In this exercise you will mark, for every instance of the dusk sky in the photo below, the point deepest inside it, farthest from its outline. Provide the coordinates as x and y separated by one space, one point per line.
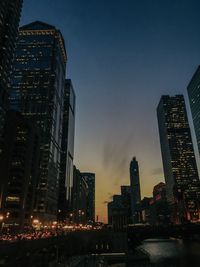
122 56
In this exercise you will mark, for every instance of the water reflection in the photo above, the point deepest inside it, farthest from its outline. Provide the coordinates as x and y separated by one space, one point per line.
172 253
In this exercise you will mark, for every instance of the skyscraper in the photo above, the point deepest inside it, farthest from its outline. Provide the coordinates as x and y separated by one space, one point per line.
9 20
180 169
194 98
135 190
90 180
37 90
19 166
79 197
67 152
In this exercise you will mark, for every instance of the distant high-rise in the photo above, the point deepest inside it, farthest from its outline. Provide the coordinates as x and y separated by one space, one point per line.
90 180
37 91
67 152
19 166
180 169
194 98
135 191
9 20
79 198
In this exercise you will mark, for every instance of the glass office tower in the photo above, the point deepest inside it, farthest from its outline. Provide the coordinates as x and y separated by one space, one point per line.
194 98
180 169
9 20
37 90
19 166
90 180
67 152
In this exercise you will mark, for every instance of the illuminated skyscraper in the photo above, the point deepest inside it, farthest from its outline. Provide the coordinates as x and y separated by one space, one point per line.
194 98
37 90
67 152
135 191
180 169
9 20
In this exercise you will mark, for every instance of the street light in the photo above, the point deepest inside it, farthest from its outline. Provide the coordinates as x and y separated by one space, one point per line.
35 221
1 220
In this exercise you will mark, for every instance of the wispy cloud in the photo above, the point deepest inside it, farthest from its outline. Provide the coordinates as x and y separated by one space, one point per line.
157 171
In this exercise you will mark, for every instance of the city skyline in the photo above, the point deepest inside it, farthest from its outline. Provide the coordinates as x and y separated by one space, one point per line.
100 132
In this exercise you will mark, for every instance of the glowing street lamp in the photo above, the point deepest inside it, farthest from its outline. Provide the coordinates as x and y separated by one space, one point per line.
1 221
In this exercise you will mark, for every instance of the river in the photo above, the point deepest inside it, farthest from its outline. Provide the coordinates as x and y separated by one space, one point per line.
167 253
172 253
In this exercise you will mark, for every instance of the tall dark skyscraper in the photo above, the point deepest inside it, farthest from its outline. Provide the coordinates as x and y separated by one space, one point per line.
9 20
194 98
180 169
19 166
79 198
37 90
90 180
135 191
67 152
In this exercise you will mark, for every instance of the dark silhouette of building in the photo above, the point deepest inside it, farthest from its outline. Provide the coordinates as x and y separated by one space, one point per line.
117 213
145 210
67 152
90 180
126 200
80 193
135 191
194 99
19 170
180 169
37 91
9 20
119 209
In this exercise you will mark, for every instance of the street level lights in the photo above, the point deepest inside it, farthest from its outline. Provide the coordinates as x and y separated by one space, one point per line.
1 221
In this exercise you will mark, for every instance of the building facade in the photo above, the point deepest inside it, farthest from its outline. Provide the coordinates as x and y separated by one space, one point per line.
193 90
117 213
67 152
80 191
135 191
90 180
180 169
126 200
19 170
9 20
37 91
145 210
160 214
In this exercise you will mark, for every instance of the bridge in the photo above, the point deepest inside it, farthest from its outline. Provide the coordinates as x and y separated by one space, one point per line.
55 251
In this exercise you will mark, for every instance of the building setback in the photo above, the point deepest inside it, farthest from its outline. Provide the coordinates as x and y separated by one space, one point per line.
9 20
67 152
135 191
180 169
193 90
19 170
37 91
